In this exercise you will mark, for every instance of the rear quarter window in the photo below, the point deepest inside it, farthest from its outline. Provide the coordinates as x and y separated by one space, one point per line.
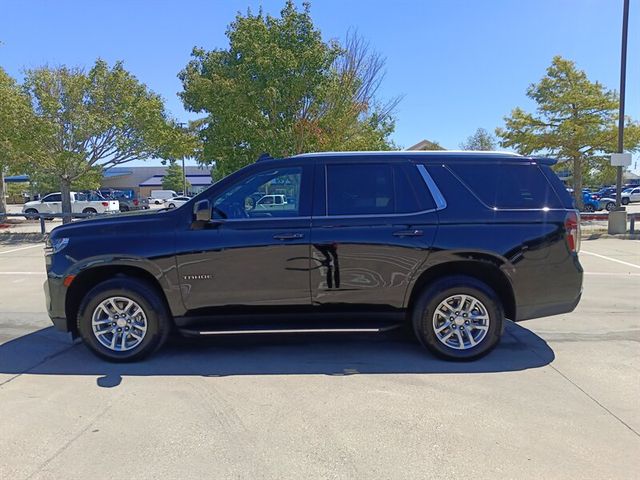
514 186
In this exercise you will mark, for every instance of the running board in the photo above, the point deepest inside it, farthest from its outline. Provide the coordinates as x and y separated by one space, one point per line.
198 333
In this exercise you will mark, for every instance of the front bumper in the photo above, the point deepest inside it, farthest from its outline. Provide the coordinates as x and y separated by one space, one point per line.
54 293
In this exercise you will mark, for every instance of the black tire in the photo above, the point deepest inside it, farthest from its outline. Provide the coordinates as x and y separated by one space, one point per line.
158 318
625 201
427 302
589 208
90 211
171 205
30 213
124 208
610 206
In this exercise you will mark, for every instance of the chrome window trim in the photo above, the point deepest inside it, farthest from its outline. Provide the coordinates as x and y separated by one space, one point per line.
438 198
227 220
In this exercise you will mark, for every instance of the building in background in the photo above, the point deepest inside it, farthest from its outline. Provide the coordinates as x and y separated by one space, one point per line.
141 180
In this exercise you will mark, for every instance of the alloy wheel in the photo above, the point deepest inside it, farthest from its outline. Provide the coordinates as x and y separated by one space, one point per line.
461 322
119 324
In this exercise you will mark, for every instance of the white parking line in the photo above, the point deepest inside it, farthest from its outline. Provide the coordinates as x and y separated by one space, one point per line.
612 259
613 274
22 273
22 248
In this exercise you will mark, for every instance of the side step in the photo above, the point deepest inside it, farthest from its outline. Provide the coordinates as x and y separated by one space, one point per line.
247 330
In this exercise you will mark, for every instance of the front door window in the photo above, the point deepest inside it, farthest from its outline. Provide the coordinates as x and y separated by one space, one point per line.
272 193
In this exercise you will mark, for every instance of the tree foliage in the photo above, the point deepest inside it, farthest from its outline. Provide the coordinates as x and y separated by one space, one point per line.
98 119
173 179
480 140
21 133
279 88
575 121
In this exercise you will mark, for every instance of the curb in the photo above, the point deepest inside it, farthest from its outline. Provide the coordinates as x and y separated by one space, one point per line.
621 236
11 237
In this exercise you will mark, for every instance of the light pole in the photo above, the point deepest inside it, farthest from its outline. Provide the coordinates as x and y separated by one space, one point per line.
623 76
617 222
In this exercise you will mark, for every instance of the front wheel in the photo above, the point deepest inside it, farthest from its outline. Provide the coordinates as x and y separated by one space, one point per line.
458 318
123 320
31 214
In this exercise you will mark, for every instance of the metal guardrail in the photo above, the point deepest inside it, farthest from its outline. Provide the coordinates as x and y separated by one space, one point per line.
46 216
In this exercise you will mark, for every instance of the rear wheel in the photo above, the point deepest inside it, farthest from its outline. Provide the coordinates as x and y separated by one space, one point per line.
610 206
458 318
123 320
89 211
589 208
625 201
124 208
172 205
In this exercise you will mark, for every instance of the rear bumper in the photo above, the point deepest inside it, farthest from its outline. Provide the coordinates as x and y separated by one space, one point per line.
546 310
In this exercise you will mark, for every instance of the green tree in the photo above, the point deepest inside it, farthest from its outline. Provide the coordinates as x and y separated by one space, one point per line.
575 121
173 179
98 119
279 88
21 133
480 140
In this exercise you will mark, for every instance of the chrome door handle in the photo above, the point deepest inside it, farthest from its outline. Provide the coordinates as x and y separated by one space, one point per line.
288 236
408 233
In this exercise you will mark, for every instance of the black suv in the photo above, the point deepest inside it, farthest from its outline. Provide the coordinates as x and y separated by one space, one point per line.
449 243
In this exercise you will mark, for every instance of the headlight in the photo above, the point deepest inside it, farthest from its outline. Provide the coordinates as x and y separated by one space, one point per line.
55 245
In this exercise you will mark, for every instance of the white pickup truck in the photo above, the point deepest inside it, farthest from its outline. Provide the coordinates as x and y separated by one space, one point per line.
88 203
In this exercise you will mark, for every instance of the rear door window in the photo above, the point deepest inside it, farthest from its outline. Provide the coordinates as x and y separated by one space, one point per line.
514 186
375 189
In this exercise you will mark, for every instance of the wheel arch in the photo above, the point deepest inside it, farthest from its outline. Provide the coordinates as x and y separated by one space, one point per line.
484 271
87 279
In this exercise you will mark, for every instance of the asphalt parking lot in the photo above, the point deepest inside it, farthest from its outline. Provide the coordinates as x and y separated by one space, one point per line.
559 398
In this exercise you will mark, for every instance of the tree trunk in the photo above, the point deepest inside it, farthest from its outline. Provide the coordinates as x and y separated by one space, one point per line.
577 183
3 203
65 190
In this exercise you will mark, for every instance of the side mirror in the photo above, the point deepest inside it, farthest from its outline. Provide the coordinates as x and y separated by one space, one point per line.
202 211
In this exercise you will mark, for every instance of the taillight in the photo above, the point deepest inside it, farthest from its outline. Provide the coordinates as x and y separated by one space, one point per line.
105 204
135 202
572 229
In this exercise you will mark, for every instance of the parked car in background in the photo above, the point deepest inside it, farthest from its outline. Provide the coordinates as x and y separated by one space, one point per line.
631 195
177 201
127 201
158 197
87 203
448 244
272 202
590 204
609 192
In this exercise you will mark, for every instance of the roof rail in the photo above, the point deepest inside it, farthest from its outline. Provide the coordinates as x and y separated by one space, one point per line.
264 156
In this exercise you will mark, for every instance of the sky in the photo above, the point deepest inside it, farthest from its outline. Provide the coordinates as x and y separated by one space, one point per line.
458 64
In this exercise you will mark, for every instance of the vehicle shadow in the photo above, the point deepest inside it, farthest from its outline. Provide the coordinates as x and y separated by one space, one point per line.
48 352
